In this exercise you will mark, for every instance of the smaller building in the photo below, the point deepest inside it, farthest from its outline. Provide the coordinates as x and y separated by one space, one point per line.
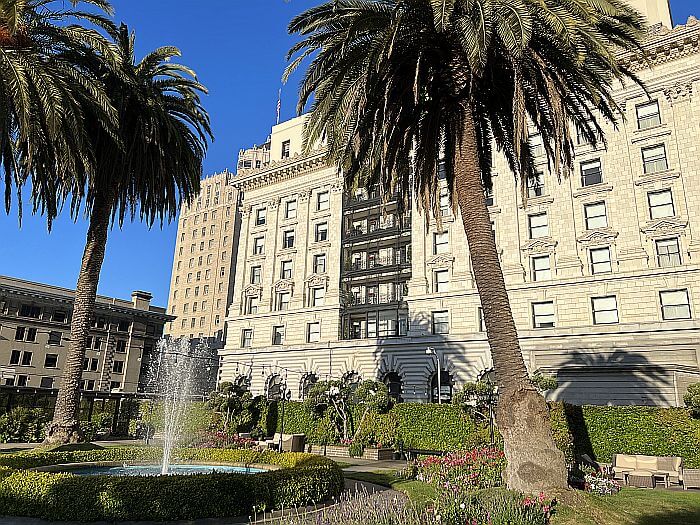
35 333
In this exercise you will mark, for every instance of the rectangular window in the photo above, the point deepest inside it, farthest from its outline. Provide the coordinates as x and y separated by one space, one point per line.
322 232
51 361
541 270
260 216
15 357
59 317
252 305
290 210
255 275
591 173
22 380
675 304
118 367
46 382
654 159
123 325
596 215
115 385
28 310
286 270
668 252
444 201
278 335
19 333
247 338
543 315
648 115
320 263
27 358
258 245
288 239
283 300
286 149
488 196
661 204
318 296
323 201
30 335
441 322
482 324
97 343
600 260
313 332
441 242
536 145
121 346
538 225
55 338
442 282
605 310
535 185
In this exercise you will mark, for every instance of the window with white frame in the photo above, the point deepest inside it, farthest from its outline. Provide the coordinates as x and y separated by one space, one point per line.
648 115
286 270
543 315
283 300
538 225
441 243
258 245
278 335
444 201
323 200
286 149
654 159
596 215
318 295
536 145
541 270
675 304
255 275
313 332
661 204
441 322
442 281
600 260
260 216
535 185
591 172
605 310
247 338
320 263
252 304
290 209
288 239
668 252
321 232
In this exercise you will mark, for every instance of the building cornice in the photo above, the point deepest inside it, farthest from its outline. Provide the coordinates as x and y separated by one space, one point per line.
282 170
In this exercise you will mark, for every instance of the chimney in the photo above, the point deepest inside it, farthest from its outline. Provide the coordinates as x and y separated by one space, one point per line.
141 300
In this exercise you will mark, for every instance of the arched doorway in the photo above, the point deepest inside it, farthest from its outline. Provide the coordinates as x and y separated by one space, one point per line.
352 379
446 387
307 381
394 383
275 387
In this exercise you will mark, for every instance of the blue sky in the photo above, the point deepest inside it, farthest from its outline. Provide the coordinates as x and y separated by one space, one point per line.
237 48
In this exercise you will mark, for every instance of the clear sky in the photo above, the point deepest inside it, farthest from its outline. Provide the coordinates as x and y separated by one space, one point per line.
237 48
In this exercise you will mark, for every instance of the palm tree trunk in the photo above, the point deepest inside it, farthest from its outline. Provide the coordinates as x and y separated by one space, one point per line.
65 427
534 461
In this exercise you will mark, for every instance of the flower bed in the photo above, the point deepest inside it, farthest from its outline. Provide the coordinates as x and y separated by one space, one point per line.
474 469
303 479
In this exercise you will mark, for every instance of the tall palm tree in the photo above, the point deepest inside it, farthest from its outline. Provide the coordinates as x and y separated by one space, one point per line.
45 95
397 84
153 163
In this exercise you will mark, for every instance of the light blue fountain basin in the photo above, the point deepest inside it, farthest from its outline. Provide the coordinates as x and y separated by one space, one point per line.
155 470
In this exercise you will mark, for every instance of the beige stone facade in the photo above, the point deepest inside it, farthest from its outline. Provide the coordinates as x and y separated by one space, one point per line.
603 268
35 331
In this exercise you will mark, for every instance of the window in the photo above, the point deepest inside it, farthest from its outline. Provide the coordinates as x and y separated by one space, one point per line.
488 195
97 343
258 245
118 367
286 270
19 333
591 173
441 243
442 283
286 149
115 385
247 338
255 275
27 358
441 322
288 239
538 225
252 305
121 346
59 317
543 315
675 304
283 300
536 145
290 210
605 310
278 335
22 380
313 332
596 215
320 263
654 159
260 216
648 115
323 201
46 382
322 232
123 325
318 295
51 361
55 338
482 323
28 310
600 260
444 201
15 357
661 204
25 334
668 252
541 270
535 185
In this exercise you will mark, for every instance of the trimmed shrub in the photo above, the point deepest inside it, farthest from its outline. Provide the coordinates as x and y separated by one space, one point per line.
23 425
691 398
303 479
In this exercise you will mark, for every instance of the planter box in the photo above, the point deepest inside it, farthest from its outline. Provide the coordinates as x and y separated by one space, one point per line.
339 451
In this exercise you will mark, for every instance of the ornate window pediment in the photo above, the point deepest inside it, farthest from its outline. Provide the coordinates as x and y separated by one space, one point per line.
317 280
284 285
540 245
253 290
664 227
443 260
598 237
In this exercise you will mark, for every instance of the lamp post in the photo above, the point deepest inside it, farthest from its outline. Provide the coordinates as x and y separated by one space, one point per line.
433 353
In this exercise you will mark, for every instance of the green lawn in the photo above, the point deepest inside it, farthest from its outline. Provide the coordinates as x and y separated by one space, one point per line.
630 507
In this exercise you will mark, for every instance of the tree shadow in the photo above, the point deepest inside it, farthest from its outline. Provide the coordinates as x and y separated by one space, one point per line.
680 517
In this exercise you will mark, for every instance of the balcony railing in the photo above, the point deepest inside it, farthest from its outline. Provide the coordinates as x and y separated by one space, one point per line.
373 299
397 226
399 259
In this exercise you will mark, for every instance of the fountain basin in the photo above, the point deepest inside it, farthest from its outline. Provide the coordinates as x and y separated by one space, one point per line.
130 469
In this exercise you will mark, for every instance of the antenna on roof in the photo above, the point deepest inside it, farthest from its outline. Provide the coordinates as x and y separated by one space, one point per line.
279 105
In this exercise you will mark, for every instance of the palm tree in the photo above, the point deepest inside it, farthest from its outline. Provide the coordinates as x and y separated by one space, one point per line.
153 163
45 95
397 84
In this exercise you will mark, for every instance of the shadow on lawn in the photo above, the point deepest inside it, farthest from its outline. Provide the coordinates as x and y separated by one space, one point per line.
677 517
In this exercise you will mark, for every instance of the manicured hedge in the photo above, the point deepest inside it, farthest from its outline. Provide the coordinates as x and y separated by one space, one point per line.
303 479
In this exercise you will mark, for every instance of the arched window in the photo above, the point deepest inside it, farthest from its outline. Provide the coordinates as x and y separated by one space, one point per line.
275 387
242 383
352 379
307 381
446 385
394 383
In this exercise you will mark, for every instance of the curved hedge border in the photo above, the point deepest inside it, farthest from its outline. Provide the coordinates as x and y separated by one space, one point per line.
302 480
